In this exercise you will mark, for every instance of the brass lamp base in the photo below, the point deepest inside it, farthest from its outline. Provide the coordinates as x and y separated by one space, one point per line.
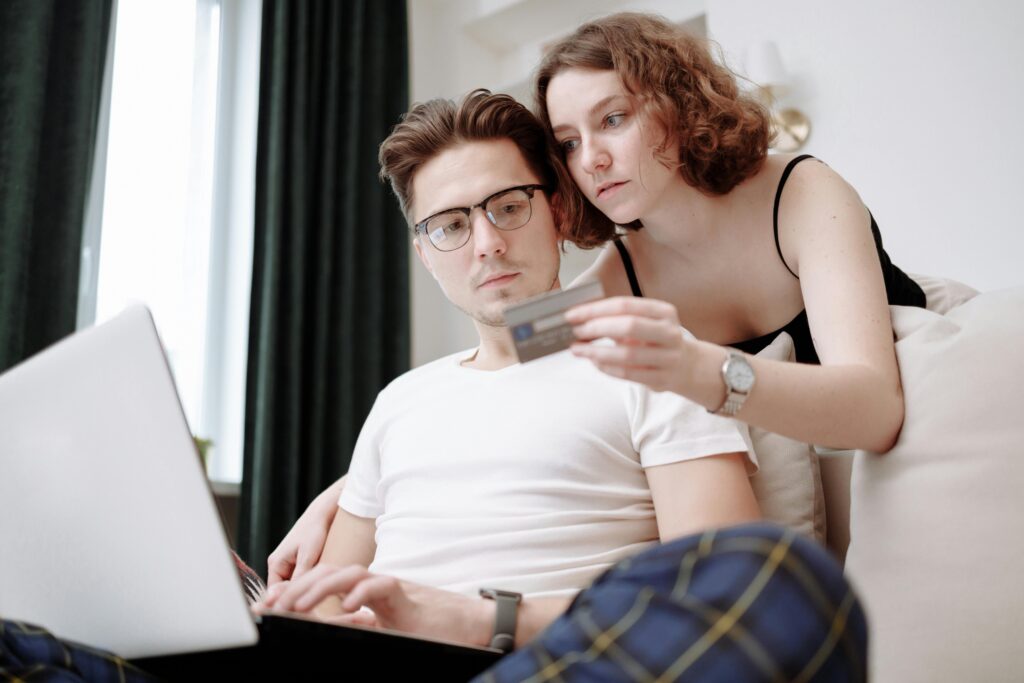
792 128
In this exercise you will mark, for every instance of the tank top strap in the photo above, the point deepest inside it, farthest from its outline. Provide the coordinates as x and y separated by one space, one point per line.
775 210
627 263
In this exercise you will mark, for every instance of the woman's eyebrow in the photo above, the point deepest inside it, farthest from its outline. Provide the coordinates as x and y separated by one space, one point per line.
601 104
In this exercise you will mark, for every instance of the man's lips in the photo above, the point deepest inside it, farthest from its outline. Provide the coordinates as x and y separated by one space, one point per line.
498 280
608 189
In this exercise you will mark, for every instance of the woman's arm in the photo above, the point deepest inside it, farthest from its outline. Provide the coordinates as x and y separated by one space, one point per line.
853 400
300 550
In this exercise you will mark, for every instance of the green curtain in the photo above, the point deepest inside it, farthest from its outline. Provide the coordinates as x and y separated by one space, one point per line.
52 57
329 323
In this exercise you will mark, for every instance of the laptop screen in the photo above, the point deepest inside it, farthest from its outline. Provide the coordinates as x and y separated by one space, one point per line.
110 535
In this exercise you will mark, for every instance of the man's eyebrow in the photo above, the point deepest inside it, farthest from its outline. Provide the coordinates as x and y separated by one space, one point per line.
601 104
456 208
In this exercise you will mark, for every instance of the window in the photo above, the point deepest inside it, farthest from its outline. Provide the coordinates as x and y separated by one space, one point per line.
176 219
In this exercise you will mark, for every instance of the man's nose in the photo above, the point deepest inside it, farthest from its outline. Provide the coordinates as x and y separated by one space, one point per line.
487 239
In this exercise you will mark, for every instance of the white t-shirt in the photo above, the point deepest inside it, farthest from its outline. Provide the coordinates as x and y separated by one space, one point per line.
529 478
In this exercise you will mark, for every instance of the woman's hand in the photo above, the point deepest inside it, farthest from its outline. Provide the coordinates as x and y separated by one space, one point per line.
650 346
300 550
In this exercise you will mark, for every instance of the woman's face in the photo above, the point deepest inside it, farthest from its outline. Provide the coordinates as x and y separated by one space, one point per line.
608 144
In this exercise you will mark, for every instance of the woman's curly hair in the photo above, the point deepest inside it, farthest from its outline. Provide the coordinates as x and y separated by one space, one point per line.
721 134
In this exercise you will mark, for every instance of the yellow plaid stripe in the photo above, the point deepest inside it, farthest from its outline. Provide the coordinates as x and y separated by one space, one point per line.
838 628
598 645
750 645
728 620
805 576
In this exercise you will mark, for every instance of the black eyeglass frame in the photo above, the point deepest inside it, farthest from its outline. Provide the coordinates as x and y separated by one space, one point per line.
421 227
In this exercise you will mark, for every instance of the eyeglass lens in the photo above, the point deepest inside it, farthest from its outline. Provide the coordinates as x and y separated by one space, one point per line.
506 211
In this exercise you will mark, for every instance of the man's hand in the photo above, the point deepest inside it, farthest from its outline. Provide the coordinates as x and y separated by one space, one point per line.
397 605
301 548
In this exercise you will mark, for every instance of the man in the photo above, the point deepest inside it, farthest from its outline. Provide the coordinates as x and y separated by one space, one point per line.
475 472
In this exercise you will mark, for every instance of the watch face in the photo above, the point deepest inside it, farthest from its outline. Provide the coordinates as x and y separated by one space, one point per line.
739 374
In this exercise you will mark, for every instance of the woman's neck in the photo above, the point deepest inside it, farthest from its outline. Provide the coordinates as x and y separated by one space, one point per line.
686 222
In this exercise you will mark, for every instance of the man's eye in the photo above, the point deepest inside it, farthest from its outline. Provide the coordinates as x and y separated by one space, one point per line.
510 208
454 226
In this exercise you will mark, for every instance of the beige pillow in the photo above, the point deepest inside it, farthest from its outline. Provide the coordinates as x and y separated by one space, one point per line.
787 484
937 524
943 294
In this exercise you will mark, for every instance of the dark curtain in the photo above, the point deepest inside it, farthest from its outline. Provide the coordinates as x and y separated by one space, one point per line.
52 56
329 325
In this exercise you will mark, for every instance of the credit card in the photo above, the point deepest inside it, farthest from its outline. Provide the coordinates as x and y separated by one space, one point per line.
538 326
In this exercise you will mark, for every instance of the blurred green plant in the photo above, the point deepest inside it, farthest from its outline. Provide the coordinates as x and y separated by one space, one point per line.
203 446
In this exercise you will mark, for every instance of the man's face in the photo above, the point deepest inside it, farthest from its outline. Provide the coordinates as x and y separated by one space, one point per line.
496 267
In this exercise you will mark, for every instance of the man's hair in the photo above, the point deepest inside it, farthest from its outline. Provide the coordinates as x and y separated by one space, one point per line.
432 127
722 136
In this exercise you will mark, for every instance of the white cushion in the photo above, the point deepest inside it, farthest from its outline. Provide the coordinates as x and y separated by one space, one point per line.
943 294
787 484
937 524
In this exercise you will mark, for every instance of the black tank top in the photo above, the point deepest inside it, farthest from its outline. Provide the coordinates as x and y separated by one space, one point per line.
899 288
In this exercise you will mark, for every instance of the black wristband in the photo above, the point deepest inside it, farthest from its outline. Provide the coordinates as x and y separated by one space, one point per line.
506 608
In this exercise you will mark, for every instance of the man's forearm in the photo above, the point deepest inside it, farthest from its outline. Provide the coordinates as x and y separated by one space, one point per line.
532 617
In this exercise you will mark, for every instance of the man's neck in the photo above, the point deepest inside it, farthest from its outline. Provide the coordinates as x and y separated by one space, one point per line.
496 350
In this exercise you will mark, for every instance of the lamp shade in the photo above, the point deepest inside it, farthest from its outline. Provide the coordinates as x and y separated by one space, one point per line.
764 65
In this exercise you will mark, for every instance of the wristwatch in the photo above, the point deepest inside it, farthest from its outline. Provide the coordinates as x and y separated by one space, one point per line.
739 380
506 609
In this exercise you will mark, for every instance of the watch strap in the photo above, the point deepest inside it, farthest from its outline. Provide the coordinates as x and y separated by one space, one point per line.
733 398
506 610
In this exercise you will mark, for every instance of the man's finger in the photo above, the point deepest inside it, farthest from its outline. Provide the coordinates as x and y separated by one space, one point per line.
373 591
359 618
308 591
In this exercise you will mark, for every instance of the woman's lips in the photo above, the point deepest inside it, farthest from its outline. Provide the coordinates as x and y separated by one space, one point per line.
609 190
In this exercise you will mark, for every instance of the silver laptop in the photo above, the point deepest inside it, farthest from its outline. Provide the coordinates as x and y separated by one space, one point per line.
109 533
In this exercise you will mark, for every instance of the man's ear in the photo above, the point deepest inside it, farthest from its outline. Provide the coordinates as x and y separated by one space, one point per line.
423 257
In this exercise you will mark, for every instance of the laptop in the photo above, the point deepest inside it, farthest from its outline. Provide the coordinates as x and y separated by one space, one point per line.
111 536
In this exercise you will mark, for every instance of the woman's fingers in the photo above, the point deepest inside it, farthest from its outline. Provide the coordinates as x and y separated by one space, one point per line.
622 305
626 355
629 328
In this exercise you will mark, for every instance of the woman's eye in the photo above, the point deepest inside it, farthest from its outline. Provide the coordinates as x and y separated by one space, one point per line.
570 145
614 120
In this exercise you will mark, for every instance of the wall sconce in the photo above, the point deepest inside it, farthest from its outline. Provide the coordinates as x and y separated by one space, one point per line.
764 68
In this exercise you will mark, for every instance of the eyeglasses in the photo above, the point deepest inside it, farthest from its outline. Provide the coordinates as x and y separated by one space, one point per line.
507 209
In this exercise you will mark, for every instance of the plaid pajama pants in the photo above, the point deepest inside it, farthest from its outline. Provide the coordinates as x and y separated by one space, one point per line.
746 603
30 653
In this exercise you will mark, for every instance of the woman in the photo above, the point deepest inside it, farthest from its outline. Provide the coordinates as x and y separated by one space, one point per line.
657 138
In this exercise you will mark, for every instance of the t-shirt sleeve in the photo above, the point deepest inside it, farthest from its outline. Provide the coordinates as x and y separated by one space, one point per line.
668 428
360 495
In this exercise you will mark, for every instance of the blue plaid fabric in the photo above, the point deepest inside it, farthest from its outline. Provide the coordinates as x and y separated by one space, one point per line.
747 603
30 653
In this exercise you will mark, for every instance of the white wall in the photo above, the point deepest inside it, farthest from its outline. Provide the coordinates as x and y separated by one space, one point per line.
914 102
918 104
